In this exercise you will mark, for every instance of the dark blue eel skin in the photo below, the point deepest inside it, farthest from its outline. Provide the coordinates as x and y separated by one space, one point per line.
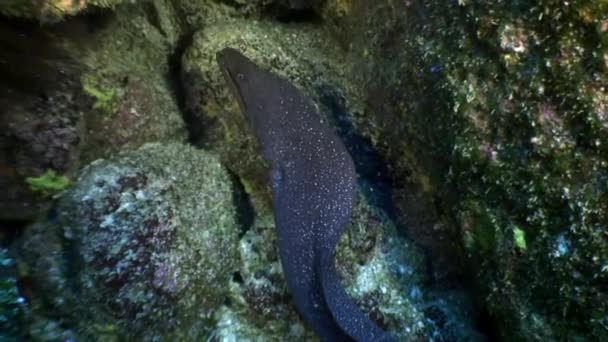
313 182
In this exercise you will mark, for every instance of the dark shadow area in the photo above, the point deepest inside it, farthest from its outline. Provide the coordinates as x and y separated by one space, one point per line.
245 213
375 179
177 78
371 168
289 15
10 230
373 171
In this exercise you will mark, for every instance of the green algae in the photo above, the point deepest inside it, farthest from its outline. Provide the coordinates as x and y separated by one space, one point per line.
105 97
48 182
147 243
519 237
88 87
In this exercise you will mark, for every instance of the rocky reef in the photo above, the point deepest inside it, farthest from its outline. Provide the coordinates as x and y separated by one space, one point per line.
83 89
382 271
142 246
497 112
12 304
478 131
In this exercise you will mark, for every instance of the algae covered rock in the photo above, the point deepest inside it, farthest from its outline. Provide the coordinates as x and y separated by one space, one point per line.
497 111
142 246
258 310
80 90
12 304
49 11
260 307
388 276
491 117
383 272
41 113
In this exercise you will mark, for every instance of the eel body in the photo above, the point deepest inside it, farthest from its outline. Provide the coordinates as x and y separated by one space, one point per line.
313 183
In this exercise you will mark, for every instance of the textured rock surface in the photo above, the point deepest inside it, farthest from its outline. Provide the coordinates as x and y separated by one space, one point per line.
387 276
498 112
83 89
129 82
141 247
40 113
50 11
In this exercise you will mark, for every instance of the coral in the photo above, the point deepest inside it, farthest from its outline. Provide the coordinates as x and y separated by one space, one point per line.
142 245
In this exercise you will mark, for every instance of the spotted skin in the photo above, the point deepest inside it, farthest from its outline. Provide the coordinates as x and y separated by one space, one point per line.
313 184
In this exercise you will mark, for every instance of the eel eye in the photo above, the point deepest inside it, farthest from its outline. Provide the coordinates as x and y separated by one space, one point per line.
240 76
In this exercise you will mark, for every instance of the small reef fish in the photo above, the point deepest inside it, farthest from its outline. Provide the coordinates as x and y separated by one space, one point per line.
313 183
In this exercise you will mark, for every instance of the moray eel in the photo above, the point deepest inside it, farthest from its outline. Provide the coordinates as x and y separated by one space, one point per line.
313 182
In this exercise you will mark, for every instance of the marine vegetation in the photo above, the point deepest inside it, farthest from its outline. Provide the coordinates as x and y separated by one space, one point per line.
48 182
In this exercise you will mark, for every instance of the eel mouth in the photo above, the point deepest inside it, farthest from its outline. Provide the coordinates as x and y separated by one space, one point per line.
228 59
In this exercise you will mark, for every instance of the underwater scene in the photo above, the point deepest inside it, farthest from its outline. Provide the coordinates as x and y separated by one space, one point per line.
303 170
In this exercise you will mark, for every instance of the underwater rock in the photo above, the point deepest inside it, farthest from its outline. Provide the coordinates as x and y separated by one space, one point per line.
41 117
491 115
128 80
12 307
387 276
334 10
260 307
496 111
275 7
142 246
204 13
51 11
383 273
77 91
